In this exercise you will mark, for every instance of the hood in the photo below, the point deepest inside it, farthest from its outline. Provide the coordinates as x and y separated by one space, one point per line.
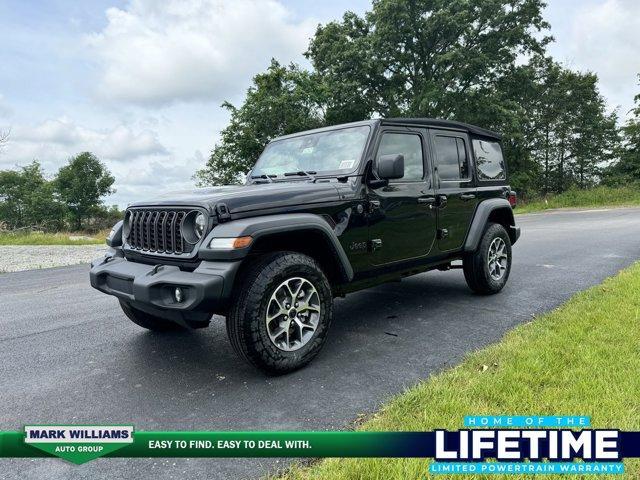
244 198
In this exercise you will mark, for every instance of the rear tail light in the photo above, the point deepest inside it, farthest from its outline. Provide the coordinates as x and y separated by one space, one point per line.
513 199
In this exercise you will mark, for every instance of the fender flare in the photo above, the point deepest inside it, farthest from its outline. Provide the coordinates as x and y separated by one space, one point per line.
258 227
115 240
480 218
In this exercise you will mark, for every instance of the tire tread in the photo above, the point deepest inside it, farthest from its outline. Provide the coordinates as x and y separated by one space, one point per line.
244 317
475 273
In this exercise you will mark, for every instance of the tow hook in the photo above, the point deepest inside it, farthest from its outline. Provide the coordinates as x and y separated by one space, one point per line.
156 269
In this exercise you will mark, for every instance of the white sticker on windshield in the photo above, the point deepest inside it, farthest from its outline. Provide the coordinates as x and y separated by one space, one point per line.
345 164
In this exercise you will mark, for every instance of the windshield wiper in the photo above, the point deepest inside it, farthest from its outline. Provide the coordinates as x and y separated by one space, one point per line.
269 178
302 173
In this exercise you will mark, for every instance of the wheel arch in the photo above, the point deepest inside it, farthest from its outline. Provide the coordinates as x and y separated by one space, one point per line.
494 210
298 232
308 241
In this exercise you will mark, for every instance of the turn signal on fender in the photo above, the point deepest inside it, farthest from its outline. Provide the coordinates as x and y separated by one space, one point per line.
230 243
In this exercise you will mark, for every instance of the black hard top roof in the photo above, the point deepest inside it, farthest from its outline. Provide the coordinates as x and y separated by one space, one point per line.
423 122
436 122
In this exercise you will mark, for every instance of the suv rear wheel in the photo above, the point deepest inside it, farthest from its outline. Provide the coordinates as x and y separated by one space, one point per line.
487 269
279 320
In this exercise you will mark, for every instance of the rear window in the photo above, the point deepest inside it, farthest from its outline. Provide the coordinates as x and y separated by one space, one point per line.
451 158
489 161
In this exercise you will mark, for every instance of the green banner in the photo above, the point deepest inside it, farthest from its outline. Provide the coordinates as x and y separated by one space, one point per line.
45 441
80 444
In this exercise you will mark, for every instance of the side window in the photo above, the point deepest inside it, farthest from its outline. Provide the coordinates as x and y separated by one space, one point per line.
462 158
451 158
409 145
489 161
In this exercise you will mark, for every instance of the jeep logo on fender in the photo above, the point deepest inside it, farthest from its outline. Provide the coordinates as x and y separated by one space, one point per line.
358 246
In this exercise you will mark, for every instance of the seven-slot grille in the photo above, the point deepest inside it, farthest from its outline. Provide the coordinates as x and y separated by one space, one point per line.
158 231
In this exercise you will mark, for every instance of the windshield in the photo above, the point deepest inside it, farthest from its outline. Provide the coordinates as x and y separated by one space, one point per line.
334 151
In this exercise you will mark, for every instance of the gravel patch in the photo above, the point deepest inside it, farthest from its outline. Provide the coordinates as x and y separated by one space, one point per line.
15 258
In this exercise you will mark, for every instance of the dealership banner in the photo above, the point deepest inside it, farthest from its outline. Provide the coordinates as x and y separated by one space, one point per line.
496 444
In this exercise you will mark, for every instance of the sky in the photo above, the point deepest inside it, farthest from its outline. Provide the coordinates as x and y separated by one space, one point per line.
140 82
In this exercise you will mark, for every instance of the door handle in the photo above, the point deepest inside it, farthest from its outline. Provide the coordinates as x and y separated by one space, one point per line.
427 200
467 196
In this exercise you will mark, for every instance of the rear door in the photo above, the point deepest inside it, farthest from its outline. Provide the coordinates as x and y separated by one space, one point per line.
402 222
455 188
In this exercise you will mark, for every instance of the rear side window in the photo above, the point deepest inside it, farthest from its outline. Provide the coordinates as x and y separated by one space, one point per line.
451 158
489 160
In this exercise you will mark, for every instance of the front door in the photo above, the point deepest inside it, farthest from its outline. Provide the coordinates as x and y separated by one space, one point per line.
456 194
402 219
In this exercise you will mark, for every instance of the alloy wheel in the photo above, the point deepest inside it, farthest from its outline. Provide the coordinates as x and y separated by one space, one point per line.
497 258
293 314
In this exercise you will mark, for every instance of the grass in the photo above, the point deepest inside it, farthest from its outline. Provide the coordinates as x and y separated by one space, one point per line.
35 238
581 359
592 198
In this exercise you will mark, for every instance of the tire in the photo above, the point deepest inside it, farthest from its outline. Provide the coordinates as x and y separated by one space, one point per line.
257 321
480 276
148 321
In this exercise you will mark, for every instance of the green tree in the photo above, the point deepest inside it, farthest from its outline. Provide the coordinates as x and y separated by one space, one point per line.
27 199
572 134
403 58
460 60
282 100
350 76
81 184
478 61
432 58
627 169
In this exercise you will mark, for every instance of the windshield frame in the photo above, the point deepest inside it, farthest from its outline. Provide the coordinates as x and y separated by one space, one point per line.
320 173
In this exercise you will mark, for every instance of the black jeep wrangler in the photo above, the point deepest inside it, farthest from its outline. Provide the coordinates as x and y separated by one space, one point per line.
323 213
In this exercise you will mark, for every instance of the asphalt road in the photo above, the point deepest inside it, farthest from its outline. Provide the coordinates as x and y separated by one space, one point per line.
68 355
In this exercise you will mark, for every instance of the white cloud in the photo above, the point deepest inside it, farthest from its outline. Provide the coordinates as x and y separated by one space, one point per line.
142 166
5 109
119 143
152 178
605 38
155 53
174 173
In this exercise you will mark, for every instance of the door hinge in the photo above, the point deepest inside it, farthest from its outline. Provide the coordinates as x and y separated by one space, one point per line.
376 244
442 233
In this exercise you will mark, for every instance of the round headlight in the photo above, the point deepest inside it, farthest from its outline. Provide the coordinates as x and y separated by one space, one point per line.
200 225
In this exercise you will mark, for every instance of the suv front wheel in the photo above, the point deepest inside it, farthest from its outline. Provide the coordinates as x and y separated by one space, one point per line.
279 320
487 269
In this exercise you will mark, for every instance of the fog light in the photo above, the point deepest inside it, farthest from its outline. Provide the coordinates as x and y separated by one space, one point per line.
178 295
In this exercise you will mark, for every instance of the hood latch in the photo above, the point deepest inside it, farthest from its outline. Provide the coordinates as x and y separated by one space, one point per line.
223 212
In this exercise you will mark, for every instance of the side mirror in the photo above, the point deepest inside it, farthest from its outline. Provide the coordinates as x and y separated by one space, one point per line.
391 166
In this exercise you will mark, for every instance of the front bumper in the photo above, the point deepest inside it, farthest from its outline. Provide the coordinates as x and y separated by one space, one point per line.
151 287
